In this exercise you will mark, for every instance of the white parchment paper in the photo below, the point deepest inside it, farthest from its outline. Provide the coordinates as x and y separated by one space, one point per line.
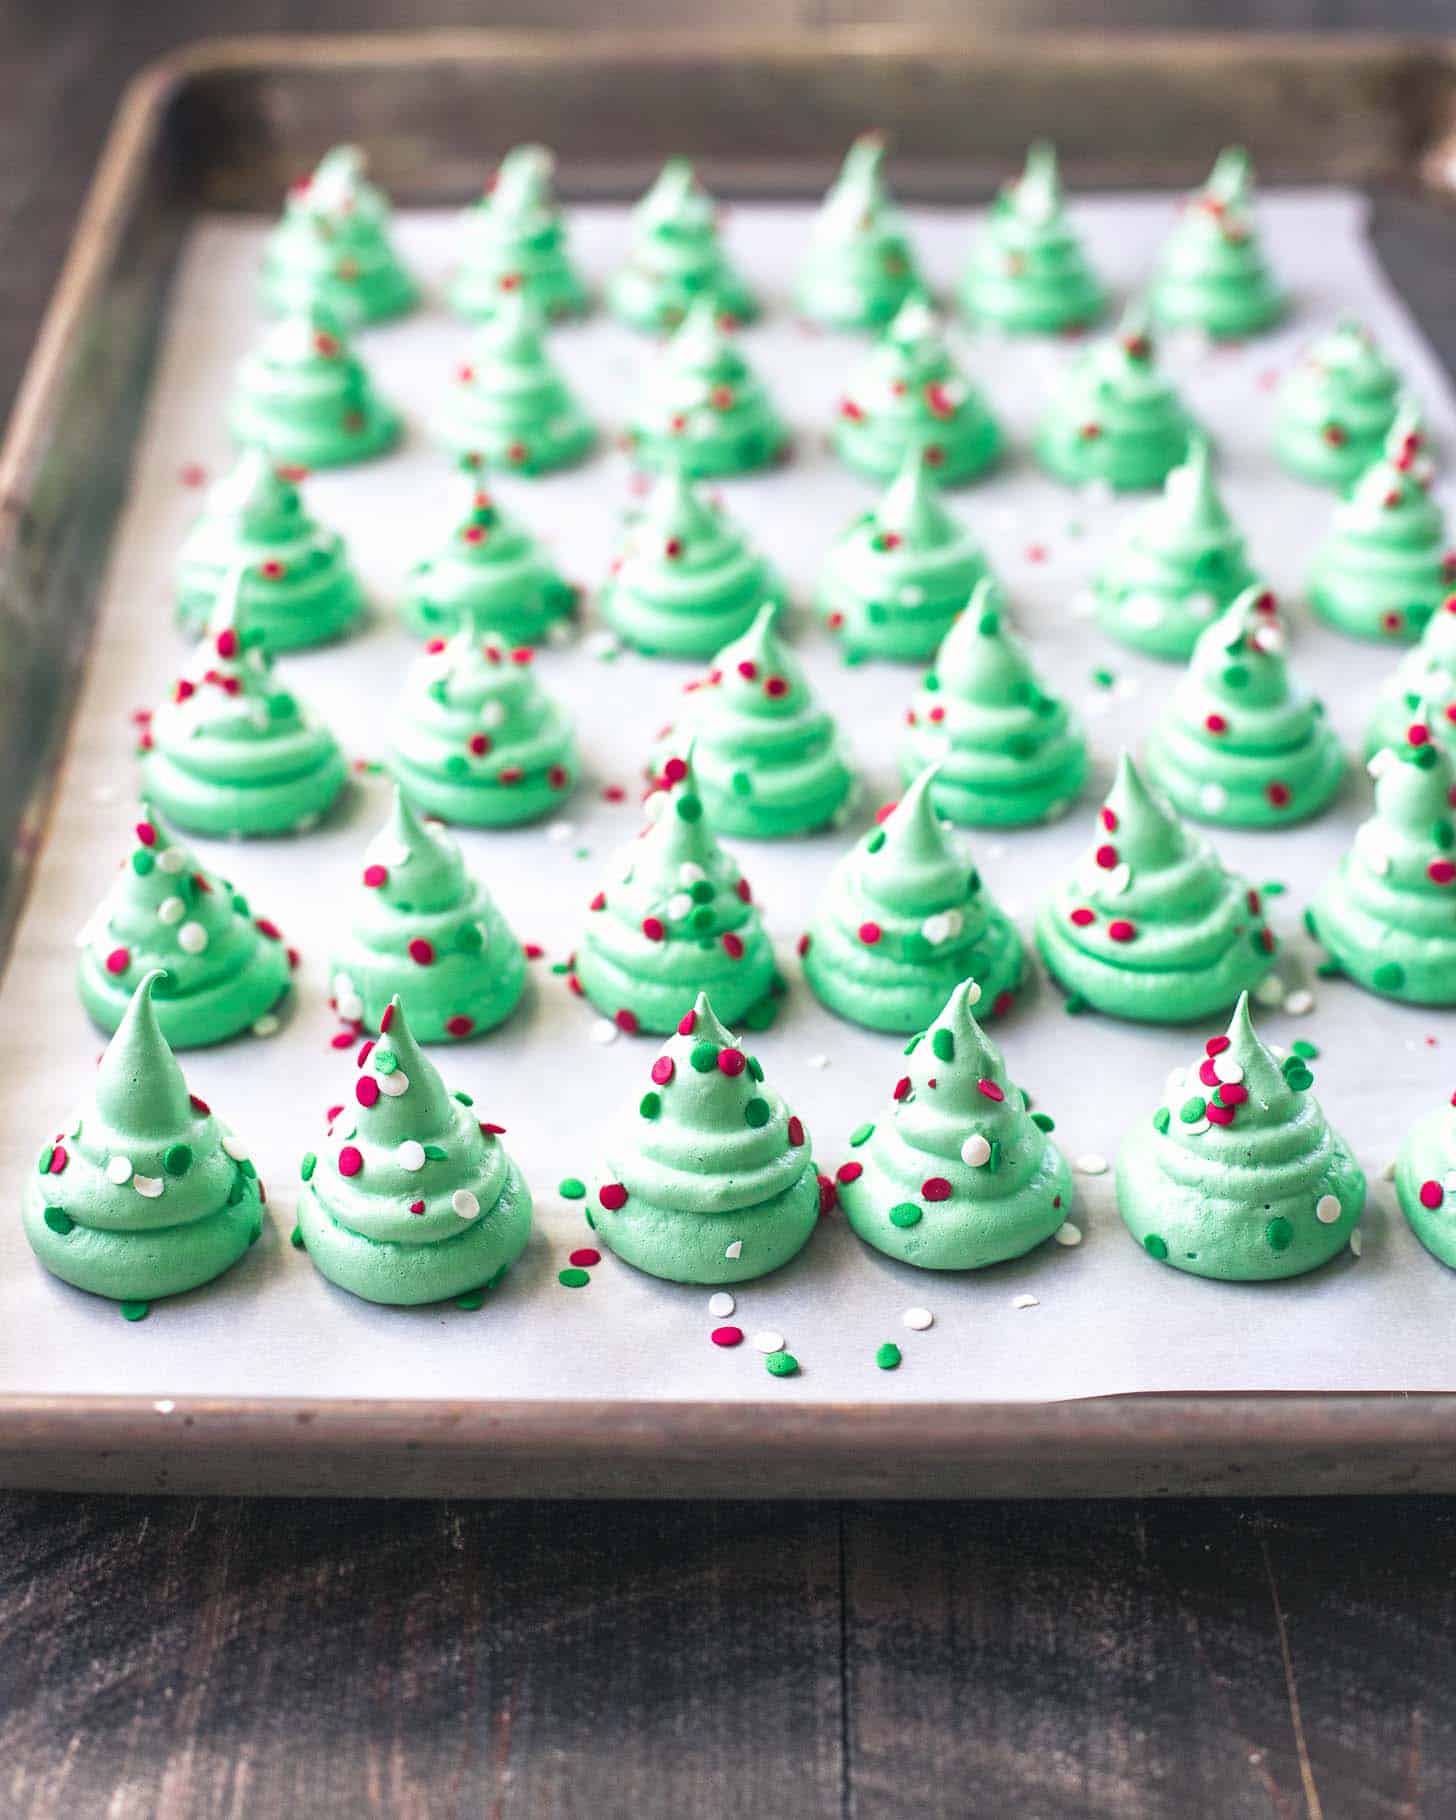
1104 1318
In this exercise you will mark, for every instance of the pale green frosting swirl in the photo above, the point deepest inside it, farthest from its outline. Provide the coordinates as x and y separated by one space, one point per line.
955 1173
509 407
675 257
513 239
703 408
1116 419
1425 1183
306 397
1425 674
1238 1175
1027 272
333 248
1212 274
489 571
860 266
1336 407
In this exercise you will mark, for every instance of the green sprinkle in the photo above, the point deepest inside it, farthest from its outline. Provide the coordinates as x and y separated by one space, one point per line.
1191 1111
1304 1049
756 1113
239 1190
755 1068
561 966
468 939
1389 976
1074 1004
860 1133
495 1281
456 765
1043 1121
781 1365
916 947
989 625
1104 679
308 1165
471 1300
436 1153
701 891
931 682
701 916
742 783
1235 676
177 1159
875 841
704 1057
906 1214
1155 1247
942 1042
1300 1080
914 1042
572 1278
1274 888
59 1221
1443 834
43 1166
1162 1119
1310 926
1279 1233
586 1214
888 1356
464 1098
571 1188
295 1238
650 1105
994 1160
134 1311
689 807
142 862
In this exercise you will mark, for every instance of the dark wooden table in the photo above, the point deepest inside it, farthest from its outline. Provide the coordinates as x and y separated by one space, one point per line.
185 1657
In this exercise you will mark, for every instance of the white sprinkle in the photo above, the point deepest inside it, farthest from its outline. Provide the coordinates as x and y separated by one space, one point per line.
942 927
735 1250
350 1007
150 1187
410 1154
235 1148
767 1341
465 1203
720 1306
1387 1174
1357 1241
602 1032
192 938
918 1319
976 1151
1084 604
118 1170
268 1025
172 859
492 715
816 1061
1091 1162
1201 606
1227 1069
171 910
387 852
1197 1128
343 985
690 873
973 992
164 1406
561 832
679 905
1298 1002
1117 879
1213 798
393 1085
1068 1234
1327 1209
1026 1301
1270 991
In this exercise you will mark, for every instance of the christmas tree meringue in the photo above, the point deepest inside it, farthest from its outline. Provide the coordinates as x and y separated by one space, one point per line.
514 239
1150 926
146 1194
1180 562
1387 915
489 571
229 752
509 407
955 1173
477 741
413 1198
903 919
768 758
306 397
676 918
1116 419
1426 673
1240 743
898 577
714 1182
298 589
685 579
333 248
1238 1174
421 925
675 258
1425 1182
703 407
1336 407
1027 272
910 395
1006 753
1212 273
223 969
859 267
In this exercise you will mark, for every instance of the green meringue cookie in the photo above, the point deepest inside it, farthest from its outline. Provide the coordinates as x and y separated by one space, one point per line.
1239 743
1180 562
1425 1182
1006 753
509 407
1385 567
703 407
224 969
676 918
955 1173
306 397
421 925
489 570
1387 914
299 588
333 248
1336 407
903 919
675 258
769 759
411 1199
910 396
1115 418
230 752
898 577
477 741
514 239
1027 272
860 266
715 1182
1427 673
146 1194
1212 273
685 579
1151 927
1238 1175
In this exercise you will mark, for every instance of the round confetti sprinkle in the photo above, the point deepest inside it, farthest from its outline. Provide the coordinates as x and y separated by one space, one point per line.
918 1319
410 1155
612 1196
150 1187
888 1356
602 1032
1091 1163
768 1341
1156 1246
935 1188
727 1336
571 1188
1327 1209
1068 1234
782 1365
118 1170
1431 1194
351 1160
584 1258
1025 1301
905 1214
134 1311
192 938
465 1203
976 1151
573 1279
721 1305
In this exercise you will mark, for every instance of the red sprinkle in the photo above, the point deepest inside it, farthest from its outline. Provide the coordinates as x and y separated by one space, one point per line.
351 1160
1106 857
776 686
421 952
417 1207
1441 871
626 1021
803 944
1232 1093
59 1159
731 1061
935 1188
652 928
366 1049
1109 820
1207 1073
1082 916
688 1023
674 771
460 1024
1432 1194
1219 1115
849 1172
1216 723
1121 930
796 1130
599 902
869 933
198 1105
828 1196
1216 1045
118 960
902 1087
727 1336
663 1070
366 1090
991 1090
612 1195
1279 795
733 945
744 891
386 1018
146 834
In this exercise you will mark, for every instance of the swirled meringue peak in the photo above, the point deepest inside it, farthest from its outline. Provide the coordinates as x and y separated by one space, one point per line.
1387 914
955 1173
229 751
223 969
677 917
412 1197
1181 561
903 919
477 740
146 1194
420 924
1150 926
897 578
489 571
306 397
1336 407
1240 743
860 266
509 407
685 579
513 239
675 258
1027 272
768 758
1385 566
911 396
333 248
1005 752
1116 419
1427 673
1425 1182
1238 1174
298 588
714 1180
1212 273
703 407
